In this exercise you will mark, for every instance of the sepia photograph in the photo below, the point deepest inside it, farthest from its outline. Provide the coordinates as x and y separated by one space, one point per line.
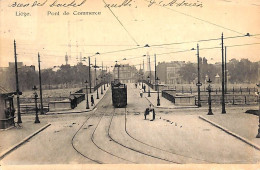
129 84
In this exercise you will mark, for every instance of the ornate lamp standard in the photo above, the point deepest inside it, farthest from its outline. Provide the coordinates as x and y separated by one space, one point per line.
158 96
87 103
149 95
258 94
209 99
36 108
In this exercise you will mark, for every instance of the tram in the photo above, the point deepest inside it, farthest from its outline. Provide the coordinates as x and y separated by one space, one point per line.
119 94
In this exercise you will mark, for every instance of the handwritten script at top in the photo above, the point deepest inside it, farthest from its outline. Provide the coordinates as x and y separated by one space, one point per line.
107 3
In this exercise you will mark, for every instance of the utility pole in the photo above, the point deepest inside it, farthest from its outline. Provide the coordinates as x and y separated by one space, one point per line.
199 83
223 76
143 75
40 81
89 74
102 79
150 68
17 86
155 73
96 77
225 70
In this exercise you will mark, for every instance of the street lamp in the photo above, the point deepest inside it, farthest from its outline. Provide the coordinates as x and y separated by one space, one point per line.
87 104
104 82
158 97
258 93
149 95
36 108
209 99
101 85
97 88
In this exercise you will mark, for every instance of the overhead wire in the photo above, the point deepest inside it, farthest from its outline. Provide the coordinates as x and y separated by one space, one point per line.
121 23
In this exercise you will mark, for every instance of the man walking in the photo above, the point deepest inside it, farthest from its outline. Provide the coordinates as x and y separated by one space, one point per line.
92 100
141 92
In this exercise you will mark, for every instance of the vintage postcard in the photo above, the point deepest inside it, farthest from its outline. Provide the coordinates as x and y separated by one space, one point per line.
143 84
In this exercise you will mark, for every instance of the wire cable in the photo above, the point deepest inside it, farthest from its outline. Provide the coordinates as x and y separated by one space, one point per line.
121 23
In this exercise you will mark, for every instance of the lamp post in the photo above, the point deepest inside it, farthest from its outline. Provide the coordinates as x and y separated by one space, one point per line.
209 99
104 82
36 108
158 97
149 95
87 103
97 88
101 85
258 94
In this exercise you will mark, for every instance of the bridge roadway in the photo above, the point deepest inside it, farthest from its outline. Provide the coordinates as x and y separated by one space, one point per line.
112 136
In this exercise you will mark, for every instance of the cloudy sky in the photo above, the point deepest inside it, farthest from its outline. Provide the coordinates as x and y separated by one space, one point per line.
122 32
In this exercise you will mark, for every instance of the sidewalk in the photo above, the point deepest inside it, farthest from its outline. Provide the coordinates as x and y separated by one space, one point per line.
236 123
164 103
81 107
16 136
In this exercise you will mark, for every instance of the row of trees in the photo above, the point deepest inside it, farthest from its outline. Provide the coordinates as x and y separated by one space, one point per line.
239 71
65 74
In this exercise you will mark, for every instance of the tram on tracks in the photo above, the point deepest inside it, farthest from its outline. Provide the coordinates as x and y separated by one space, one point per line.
119 94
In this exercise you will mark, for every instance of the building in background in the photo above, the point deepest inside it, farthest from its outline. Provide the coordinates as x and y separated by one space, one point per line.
127 73
168 72
20 65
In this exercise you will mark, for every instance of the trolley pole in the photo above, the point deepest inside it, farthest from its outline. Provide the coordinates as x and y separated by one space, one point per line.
101 79
223 77
155 73
17 86
40 81
199 83
89 72
96 77
87 103
225 70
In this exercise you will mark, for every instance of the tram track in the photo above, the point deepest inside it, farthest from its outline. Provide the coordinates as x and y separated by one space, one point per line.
77 150
135 150
92 139
184 156
124 145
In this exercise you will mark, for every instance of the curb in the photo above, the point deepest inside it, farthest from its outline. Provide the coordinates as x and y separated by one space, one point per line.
6 152
175 107
231 133
82 111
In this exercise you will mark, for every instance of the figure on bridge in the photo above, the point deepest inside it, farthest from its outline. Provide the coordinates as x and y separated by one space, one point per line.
141 92
148 110
92 100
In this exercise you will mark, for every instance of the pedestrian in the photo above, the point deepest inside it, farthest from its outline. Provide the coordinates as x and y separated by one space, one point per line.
92 100
141 92
144 88
148 110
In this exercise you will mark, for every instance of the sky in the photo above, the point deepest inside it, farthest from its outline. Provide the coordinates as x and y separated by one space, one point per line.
122 32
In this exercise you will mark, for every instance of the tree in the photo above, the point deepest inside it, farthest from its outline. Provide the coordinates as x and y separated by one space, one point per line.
188 72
